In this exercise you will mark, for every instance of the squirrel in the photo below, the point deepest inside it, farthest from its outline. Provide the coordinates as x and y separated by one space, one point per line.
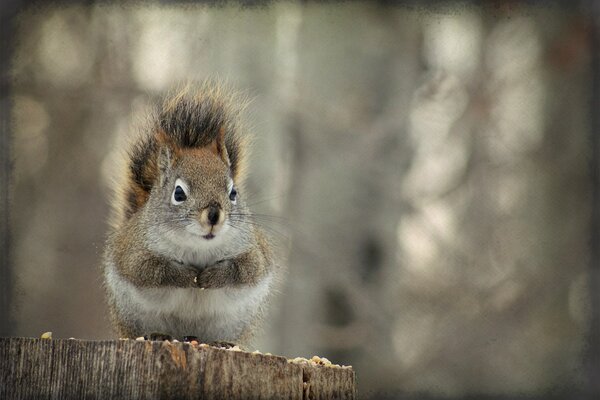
183 256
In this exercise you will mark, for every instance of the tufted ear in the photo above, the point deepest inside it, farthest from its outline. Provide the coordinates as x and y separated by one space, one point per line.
165 159
166 155
217 146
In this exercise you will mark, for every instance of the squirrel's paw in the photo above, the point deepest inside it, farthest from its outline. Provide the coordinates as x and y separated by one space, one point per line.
215 276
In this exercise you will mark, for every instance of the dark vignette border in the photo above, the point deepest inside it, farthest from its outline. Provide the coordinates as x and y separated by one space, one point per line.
9 12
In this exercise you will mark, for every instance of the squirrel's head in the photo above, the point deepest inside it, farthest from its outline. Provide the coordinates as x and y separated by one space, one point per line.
195 190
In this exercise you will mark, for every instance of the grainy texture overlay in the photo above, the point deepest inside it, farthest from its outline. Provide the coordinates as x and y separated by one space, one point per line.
128 369
424 167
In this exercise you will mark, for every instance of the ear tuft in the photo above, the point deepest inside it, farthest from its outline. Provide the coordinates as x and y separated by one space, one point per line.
217 146
166 154
165 159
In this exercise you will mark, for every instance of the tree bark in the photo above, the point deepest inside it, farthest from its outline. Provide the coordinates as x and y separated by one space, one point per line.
130 369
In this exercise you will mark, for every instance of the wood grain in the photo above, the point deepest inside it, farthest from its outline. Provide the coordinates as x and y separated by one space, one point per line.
129 369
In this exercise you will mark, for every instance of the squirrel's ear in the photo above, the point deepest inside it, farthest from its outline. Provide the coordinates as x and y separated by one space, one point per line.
165 159
217 146
165 156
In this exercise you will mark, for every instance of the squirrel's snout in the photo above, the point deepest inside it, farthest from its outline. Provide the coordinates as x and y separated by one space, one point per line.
212 217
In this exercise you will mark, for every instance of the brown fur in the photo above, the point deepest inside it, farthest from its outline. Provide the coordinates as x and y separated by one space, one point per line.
197 116
195 137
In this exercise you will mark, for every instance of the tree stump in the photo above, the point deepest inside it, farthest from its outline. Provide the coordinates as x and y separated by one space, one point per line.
130 369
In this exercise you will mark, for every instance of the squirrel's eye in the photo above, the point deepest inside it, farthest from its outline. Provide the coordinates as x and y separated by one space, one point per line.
233 195
179 195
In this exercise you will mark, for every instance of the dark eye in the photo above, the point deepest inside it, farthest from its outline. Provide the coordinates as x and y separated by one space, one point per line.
233 195
179 195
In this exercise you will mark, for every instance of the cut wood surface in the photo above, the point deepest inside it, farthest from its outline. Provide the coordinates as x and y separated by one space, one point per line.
130 369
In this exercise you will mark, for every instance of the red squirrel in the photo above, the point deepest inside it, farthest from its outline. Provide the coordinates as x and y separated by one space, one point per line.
183 256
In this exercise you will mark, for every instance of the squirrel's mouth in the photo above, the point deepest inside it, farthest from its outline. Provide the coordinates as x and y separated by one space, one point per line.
207 233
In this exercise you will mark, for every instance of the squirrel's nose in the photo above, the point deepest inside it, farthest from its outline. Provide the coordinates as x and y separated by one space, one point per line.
213 215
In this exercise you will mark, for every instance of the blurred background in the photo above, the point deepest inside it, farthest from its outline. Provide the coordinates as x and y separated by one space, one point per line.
429 172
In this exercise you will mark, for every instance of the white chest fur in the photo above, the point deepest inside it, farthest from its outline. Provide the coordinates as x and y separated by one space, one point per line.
211 314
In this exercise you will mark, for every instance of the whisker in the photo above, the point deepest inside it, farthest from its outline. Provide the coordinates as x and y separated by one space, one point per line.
261 201
250 214
248 224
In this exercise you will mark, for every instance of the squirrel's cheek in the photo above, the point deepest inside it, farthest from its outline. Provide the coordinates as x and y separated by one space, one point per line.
195 228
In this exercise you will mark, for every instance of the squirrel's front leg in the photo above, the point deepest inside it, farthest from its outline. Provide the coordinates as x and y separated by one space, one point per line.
159 272
245 269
